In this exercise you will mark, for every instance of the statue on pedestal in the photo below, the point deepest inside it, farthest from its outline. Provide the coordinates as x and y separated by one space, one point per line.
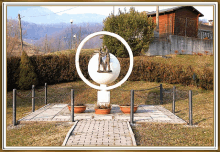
104 63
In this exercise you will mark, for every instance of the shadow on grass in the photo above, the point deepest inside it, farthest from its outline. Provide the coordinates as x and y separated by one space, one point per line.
204 119
152 97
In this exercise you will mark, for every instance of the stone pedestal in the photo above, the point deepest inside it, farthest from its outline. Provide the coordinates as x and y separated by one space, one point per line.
103 97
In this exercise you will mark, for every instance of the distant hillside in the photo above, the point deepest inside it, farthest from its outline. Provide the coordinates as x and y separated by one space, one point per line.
61 39
14 49
55 37
37 31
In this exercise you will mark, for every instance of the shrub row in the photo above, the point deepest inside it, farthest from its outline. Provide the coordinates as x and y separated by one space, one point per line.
53 69
173 74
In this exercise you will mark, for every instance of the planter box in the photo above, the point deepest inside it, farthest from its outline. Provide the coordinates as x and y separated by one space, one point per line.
127 109
78 109
102 111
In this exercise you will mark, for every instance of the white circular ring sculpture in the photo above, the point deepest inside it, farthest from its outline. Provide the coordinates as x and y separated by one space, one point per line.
80 72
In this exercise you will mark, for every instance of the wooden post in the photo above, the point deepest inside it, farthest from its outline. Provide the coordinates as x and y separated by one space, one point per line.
33 98
157 18
185 35
186 27
71 35
14 107
19 22
190 108
161 94
132 107
174 98
45 93
72 105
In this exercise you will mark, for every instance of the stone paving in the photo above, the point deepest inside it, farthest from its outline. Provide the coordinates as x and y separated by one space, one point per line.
145 113
101 133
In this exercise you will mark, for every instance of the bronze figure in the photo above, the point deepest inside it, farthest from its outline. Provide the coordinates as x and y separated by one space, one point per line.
100 60
105 64
107 61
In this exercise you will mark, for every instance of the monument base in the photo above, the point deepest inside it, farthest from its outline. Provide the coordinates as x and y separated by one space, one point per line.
103 97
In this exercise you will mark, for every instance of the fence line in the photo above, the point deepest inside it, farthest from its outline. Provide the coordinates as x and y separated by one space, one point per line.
14 107
33 99
20 96
139 95
132 101
190 108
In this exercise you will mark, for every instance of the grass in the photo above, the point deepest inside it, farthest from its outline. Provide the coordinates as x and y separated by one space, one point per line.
172 135
38 134
196 61
149 134
202 134
67 52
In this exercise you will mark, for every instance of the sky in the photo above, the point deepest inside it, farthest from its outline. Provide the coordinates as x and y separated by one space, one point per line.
207 11
104 11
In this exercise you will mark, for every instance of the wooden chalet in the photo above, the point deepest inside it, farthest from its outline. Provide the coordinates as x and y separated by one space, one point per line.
182 21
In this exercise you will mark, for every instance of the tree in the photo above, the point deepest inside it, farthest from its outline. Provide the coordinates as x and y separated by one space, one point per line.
136 28
11 36
27 76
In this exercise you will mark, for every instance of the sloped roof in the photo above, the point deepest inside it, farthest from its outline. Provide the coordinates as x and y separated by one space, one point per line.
173 10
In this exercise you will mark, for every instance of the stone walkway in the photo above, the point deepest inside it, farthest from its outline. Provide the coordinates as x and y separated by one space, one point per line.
100 133
145 113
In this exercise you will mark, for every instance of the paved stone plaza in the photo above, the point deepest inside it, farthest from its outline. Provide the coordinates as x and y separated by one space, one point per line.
112 129
145 113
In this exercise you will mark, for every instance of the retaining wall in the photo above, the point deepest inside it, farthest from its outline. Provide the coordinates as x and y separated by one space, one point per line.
184 45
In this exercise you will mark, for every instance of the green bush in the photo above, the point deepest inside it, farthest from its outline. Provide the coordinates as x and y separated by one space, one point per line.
27 75
53 69
12 72
136 28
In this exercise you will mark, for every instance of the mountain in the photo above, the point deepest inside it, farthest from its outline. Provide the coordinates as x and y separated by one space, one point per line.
41 15
55 37
36 31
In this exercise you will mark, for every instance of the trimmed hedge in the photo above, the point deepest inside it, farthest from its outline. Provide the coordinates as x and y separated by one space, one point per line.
27 76
53 69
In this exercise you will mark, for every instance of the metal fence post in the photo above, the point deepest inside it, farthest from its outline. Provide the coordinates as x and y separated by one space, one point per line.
190 108
45 93
72 105
132 107
161 94
14 107
174 98
33 98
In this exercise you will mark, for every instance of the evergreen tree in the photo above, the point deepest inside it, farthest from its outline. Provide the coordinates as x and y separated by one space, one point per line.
27 76
136 28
